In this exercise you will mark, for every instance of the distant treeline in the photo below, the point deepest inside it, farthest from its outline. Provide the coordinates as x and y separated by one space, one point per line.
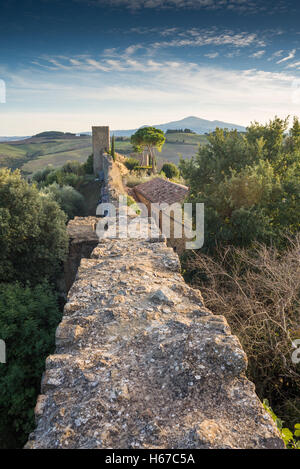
180 131
55 134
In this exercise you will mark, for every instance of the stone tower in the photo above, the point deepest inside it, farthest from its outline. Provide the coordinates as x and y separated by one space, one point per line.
101 143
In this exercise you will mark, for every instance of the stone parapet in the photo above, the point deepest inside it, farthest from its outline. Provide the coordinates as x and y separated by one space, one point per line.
141 363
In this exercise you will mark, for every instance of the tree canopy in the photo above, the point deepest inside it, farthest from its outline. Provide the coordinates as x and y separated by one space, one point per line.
250 183
69 200
28 319
33 237
148 138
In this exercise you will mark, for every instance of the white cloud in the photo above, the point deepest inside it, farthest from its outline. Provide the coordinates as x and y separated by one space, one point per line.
294 65
212 55
199 38
289 57
258 54
125 63
240 6
276 55
132 49
147 91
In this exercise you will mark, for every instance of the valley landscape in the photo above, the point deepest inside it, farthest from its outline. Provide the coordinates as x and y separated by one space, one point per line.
37 152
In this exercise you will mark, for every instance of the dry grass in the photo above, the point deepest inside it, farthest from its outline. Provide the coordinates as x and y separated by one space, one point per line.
259 293
135 178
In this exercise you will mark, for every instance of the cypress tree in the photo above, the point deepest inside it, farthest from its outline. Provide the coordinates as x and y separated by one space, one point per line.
113 151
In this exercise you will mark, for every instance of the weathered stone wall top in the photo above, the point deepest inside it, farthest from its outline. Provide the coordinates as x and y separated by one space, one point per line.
141 363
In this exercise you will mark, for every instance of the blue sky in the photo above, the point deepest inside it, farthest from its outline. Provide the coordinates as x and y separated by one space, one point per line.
68 65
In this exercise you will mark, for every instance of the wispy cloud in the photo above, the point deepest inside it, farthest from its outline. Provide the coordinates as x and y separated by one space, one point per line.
125 63
212 55
162 88
179 37
239 6
294 65
82 89
276 55
258 54
289 57
132 49
199 38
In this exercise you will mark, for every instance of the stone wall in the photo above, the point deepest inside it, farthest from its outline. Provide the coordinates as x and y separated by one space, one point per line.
82 230
166 219
101 144
141 363
82 241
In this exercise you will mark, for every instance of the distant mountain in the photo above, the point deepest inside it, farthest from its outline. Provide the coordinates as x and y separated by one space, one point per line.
200 126
11 139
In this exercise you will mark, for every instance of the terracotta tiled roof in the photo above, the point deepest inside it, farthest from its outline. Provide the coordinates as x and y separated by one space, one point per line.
159 190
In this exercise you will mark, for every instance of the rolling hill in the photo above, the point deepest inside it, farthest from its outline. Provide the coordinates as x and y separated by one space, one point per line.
35 153
55 148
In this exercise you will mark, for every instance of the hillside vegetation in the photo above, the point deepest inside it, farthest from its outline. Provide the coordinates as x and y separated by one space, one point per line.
33 154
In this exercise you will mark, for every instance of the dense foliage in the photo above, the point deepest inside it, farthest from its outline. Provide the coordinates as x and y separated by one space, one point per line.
71 173
33 244
250 184
33 238
64 184
69 200
28 318
131 163
89 165
170 170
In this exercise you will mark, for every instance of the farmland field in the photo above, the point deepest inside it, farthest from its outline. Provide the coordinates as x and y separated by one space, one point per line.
35 153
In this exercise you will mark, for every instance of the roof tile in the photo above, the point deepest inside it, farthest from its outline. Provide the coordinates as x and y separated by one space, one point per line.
160 190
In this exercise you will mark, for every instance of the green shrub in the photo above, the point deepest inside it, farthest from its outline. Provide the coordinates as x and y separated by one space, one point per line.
132 203
170 170
28 318
33 237
131 163
89 165
69 200
63 178
290 438
73 167
40 176
71 179
54 176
